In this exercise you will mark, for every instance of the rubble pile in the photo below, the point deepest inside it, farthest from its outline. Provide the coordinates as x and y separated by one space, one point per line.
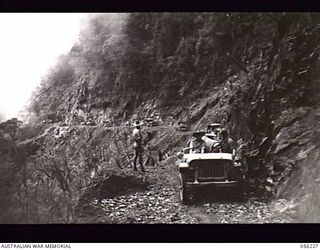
235 212
153 206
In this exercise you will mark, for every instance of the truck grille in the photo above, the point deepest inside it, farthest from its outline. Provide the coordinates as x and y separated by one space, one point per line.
211 171
210 168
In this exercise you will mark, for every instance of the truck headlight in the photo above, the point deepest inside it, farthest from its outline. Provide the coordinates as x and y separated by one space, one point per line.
234 174
193 167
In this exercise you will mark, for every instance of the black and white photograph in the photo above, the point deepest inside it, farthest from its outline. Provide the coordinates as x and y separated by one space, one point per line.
160 118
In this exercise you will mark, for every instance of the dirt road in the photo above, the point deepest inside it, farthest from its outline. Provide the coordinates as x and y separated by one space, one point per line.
160 203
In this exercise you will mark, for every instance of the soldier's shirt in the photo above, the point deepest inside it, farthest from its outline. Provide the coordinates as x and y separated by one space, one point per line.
137 137
208 143
227 145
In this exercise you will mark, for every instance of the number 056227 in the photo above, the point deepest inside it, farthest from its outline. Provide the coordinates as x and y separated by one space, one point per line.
308 246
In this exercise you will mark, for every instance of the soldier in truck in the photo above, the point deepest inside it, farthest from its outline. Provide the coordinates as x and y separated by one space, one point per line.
227 144
201 143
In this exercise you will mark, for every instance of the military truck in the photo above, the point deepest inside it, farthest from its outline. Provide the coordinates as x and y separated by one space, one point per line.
208 170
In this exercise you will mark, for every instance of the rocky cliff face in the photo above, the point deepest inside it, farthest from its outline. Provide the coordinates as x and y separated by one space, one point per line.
256 74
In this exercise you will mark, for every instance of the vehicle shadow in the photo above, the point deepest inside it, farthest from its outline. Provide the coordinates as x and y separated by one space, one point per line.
218 195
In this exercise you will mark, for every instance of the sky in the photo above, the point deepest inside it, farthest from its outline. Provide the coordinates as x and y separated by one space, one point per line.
30 44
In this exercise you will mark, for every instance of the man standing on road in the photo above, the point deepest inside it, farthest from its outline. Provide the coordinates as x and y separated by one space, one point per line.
137 145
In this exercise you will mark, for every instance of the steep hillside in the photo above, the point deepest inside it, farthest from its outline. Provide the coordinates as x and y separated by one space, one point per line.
255 73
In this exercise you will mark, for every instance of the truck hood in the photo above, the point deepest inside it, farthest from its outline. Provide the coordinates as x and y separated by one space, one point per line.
207 156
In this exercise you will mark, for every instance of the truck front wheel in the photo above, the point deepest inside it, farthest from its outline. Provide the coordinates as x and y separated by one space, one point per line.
184 196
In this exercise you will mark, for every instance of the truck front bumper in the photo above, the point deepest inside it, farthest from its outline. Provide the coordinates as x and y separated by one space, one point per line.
213 183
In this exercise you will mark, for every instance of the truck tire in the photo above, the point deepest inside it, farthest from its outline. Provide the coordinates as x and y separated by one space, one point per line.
239 192
184 196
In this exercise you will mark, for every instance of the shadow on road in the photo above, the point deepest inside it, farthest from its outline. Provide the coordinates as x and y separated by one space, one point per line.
230 196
